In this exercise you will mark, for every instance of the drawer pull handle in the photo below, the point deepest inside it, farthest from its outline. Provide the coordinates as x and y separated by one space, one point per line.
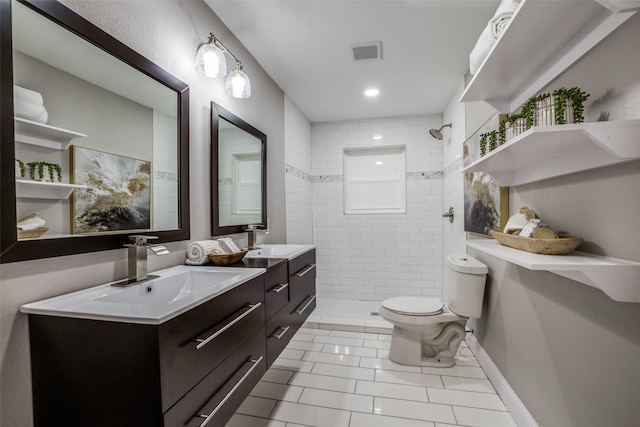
279 288
228 395
284 331
306 306
204 341
306 270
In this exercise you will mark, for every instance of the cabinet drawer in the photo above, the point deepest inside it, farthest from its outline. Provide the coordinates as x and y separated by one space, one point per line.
279 330
215 399
299 263
193 344
300 286
276 288
301 311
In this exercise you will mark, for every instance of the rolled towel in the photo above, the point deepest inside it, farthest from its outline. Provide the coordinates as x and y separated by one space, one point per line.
228 245
198 251
30 111
27 95
31 223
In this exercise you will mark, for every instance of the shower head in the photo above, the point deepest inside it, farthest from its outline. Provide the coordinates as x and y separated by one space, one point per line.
437 133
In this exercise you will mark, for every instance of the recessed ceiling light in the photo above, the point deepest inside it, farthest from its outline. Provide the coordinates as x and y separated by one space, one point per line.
372 92
379 162
377 136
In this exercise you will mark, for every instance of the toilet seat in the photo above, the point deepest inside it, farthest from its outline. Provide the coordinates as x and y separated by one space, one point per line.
414 306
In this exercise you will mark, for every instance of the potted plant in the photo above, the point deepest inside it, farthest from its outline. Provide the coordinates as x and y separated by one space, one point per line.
45 171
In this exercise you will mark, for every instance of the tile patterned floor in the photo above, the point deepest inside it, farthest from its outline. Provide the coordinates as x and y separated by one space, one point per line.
337 374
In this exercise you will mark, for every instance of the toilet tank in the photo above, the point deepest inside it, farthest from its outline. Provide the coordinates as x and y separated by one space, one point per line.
464 281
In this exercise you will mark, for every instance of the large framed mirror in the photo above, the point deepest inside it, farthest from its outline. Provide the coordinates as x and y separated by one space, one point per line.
109 128
238 174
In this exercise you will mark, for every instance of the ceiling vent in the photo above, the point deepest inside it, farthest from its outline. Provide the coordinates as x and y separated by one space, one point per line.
369 50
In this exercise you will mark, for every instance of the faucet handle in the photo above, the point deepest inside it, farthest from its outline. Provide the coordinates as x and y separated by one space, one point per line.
140 240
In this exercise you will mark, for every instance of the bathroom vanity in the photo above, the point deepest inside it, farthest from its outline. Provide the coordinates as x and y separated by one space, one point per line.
173 351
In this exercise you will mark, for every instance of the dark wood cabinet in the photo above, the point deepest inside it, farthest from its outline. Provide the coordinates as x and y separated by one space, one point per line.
192 370
100 373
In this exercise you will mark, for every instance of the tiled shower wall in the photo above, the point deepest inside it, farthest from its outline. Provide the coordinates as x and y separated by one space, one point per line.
367 257
376 256
298 180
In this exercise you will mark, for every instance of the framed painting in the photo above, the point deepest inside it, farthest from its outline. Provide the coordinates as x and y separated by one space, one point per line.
117 197
486 203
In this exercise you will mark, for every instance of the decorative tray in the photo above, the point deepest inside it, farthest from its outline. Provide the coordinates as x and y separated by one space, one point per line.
563 245
228 259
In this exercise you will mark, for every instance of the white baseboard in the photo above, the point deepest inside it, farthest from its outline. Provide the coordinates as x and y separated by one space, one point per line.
511 400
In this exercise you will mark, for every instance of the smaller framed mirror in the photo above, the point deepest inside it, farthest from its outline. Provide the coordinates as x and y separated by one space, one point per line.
238 174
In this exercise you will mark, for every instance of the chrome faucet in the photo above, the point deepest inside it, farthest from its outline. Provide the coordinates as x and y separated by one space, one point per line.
252 236
137 259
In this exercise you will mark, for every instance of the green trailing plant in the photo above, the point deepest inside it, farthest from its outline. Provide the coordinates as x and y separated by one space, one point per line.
493 140
23 169
577 97
501 132
55 171
483 144
528 112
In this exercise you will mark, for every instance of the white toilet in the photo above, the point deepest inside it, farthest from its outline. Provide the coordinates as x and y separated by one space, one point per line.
427 332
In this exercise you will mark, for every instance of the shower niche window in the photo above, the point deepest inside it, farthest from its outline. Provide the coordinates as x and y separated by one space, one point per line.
375 180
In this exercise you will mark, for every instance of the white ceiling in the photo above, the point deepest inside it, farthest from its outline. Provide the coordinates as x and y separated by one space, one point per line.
305 46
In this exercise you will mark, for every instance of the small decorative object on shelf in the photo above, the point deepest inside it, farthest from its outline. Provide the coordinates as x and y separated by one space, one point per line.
483 144
527 232
51 172
574 96
31 226
227 259
20 169
514 126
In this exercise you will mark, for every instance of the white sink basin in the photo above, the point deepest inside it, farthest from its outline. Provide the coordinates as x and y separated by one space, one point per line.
154 301
279 251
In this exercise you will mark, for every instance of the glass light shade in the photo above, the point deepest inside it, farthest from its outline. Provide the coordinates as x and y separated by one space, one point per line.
238 84
210 61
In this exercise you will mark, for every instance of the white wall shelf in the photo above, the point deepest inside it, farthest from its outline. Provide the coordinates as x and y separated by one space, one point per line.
44 190
618 278
542 40
34 133
550 151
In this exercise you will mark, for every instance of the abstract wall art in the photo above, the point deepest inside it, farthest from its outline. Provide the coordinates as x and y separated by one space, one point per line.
118 194
486 203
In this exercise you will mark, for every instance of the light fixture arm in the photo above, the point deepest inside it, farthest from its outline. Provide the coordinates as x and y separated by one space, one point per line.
214 41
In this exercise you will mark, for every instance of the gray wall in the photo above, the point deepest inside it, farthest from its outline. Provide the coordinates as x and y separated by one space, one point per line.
571 353
167 33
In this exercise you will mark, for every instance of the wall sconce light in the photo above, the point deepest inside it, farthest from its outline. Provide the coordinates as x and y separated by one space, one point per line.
211 62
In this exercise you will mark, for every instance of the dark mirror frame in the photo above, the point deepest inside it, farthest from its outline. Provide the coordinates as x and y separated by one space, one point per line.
218 112
11 249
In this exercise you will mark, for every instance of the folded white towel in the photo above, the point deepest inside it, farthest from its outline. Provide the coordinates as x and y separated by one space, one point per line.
27 95
31 223
228 245
198 252
491 33
481 50
30 111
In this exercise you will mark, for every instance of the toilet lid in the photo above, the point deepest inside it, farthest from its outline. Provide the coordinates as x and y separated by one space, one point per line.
416 306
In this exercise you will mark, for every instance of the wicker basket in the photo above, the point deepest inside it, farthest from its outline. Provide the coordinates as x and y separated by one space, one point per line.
31 234
228 259
563 245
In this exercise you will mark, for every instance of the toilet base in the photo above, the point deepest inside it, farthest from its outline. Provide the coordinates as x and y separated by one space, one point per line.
420 348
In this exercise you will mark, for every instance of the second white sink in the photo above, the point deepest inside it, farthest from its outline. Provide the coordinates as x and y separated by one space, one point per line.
279 251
